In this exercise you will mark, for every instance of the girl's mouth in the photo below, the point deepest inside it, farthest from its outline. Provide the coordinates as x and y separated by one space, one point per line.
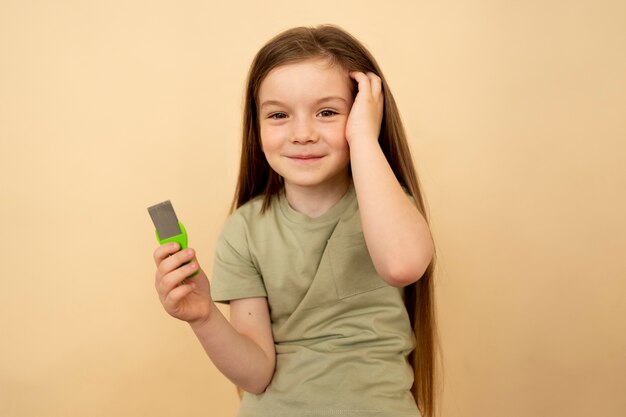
305 158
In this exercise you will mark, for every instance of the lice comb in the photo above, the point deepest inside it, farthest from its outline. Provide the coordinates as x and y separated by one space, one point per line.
168 228
165 220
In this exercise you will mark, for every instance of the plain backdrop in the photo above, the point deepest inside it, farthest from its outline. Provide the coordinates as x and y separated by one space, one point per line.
515 112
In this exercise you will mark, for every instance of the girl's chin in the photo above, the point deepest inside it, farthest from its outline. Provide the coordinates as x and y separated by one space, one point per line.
317 183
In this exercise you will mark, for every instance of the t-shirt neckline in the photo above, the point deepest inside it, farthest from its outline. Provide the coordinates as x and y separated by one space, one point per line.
332 214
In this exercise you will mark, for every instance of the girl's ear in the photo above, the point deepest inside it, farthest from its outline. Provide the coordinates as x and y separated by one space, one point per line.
353 84
354 87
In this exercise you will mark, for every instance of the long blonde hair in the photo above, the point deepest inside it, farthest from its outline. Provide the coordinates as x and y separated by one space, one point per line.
257 178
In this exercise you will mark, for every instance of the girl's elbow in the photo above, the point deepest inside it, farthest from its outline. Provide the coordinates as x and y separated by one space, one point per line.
401 279
263 383
258 388
401 274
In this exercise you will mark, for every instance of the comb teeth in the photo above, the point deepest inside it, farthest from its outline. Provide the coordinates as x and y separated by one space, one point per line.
164 219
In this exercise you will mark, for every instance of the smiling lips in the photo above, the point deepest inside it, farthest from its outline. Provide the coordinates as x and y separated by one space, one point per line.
305 158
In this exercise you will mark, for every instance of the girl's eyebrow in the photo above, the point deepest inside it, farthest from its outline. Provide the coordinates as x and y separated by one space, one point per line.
270 103
321 100
331 98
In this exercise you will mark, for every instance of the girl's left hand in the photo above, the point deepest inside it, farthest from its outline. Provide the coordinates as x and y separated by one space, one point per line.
366 114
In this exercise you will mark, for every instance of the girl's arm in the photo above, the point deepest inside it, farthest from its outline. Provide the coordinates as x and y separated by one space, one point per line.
397 235
242 350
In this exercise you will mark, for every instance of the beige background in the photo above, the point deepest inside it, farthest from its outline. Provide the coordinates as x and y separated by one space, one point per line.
516 114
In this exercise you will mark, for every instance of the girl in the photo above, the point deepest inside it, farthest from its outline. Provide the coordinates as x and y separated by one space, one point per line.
327 259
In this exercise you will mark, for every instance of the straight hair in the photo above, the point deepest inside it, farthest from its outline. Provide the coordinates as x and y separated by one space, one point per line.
257 178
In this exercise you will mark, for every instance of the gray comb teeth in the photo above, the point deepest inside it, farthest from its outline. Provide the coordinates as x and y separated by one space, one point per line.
164 219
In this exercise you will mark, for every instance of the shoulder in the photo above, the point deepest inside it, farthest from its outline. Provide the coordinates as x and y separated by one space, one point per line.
245 230
234 236
248 216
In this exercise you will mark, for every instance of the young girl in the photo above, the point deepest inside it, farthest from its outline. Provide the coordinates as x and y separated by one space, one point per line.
327 258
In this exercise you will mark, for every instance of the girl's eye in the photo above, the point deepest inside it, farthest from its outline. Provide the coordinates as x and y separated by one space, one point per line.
278 116
327 113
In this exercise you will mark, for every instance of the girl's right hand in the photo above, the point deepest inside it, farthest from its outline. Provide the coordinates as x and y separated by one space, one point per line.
187 299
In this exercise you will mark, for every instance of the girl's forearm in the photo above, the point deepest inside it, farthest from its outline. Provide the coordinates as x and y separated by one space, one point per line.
397 235
238 357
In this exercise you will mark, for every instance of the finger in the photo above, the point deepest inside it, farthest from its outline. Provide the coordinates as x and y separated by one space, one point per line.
363 82
177 294
164 251
175 260
175 278
375 83
164 280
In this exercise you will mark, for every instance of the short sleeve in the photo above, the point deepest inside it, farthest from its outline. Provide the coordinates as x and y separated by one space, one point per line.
234 272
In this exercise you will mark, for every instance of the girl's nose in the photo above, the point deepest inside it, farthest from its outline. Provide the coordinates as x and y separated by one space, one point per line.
303 131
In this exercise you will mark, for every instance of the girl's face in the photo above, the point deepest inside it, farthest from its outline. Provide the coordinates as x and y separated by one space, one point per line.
303 110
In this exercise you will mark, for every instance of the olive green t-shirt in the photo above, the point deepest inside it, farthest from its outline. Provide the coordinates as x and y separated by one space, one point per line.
342 335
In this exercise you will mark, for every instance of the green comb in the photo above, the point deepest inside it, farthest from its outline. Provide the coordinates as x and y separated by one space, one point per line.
167 227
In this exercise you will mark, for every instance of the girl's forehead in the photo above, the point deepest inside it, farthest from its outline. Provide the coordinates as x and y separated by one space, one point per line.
316 75
319 63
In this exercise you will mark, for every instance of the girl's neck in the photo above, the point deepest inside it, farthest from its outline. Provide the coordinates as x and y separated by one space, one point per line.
315 201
